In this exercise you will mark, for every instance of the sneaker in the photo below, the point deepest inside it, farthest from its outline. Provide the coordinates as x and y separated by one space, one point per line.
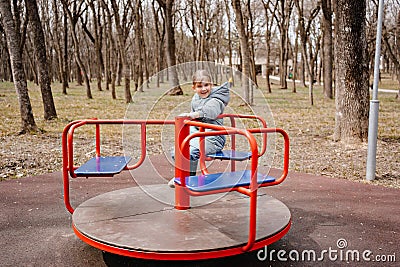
171 183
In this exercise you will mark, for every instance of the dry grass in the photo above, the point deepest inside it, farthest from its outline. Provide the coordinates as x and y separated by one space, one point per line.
310 128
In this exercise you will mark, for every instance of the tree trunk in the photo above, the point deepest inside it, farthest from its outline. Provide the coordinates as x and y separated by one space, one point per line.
82 67
113 55
97 45
56 40
244 48
107 72
393 53
351 72
250 43
327 48
13 42
295 63
268 36
159 45
228 13
40 51
398 51
31 73
140 47
65 55
286 10
310 59
170 47
73 19
122 50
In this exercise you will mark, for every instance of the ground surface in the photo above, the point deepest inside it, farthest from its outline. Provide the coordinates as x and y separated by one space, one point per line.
328 214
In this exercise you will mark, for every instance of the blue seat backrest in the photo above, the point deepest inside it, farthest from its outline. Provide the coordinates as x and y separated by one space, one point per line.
215 181
103 166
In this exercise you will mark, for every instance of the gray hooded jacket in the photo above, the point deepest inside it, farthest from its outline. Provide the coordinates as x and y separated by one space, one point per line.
210 108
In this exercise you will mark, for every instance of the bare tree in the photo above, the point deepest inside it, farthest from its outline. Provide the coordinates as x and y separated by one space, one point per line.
167 6
40 51
123 28
250 41
112 60
95 38
282 16
65 54
6 72
269 8
351 71
327 47
160 36
245 51
230 52
309 49
393 47
56 40
140 45
398 51
14 48
295 61
77 10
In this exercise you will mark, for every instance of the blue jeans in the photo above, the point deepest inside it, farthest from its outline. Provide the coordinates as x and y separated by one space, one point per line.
213 144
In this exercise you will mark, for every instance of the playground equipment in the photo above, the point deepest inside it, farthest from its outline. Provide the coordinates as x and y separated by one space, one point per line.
130 222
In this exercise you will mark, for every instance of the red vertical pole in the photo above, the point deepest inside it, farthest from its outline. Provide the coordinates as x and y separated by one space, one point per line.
97 140
202 159
233 144
182 163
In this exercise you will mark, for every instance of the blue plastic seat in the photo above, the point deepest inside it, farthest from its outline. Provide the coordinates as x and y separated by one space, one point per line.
230 155
215 181
103 166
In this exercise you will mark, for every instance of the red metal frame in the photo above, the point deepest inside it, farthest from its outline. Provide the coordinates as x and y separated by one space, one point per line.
182 140
196 255
182 166
68 144
232 118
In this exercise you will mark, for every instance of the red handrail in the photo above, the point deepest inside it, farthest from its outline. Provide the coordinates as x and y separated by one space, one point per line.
243 116
68 150
232 118
182 157
184 141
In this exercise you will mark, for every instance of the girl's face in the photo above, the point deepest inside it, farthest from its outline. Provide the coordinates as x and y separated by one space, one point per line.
203 89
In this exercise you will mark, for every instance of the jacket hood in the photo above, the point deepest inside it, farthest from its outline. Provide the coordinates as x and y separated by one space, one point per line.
221 92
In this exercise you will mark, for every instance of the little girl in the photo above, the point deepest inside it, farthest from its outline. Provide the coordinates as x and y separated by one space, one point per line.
207 104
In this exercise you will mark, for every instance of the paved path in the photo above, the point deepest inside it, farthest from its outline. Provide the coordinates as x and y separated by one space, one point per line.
392 91
35 228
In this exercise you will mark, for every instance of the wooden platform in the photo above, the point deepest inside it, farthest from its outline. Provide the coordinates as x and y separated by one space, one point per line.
135 219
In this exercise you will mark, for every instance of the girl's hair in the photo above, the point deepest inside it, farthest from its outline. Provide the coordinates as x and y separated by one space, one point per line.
201 76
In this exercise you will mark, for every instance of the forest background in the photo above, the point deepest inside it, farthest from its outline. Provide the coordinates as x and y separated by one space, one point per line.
73 59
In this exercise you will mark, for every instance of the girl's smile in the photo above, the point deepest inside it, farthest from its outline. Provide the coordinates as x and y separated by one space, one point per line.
203 89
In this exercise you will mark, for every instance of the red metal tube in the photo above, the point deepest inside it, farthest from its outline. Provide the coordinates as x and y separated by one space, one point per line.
142 146
285 170
71 147
98 140
219 130
67 147
255 117
182 163
202 159
196 255
182 194
64 145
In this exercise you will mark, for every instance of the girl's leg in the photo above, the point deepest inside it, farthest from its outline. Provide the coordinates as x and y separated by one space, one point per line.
212 145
